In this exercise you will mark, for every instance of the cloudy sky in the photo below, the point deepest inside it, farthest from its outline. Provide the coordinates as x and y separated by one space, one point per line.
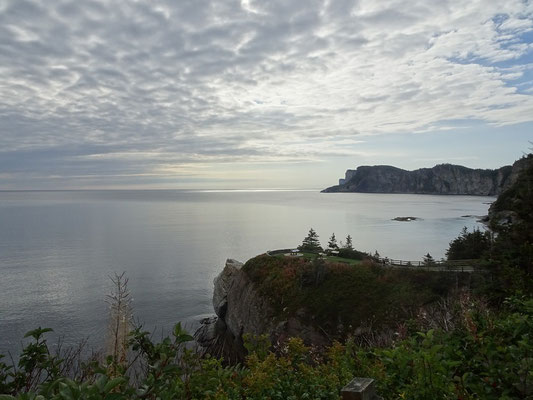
257 94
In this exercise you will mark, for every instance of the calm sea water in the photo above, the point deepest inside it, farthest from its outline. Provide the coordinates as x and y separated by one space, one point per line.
58 249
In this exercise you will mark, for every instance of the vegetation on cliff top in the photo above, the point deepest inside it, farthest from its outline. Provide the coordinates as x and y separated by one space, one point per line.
512 252
469 245
337 296
507 251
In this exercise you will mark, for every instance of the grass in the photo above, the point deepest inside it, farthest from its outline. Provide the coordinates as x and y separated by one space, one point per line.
342 260
331 259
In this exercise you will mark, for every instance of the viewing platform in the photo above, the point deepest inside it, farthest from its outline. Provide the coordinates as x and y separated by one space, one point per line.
471 265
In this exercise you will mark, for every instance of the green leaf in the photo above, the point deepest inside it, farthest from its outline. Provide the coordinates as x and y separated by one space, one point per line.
113 383
181 334
6 397
114 396
101 382
178 330
66 393
184 338
37 333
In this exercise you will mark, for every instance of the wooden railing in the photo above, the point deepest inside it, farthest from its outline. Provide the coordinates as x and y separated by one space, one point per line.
276 252
433 265
441 265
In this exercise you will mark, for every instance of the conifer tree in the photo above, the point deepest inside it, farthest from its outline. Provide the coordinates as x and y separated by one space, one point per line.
469 245
311 243
348 245
332 244
429 260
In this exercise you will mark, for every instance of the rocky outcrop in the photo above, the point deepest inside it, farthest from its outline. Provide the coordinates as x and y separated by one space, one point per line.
441 179
223 283
240 309
513 206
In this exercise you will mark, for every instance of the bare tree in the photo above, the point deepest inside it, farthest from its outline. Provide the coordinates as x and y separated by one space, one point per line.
120 319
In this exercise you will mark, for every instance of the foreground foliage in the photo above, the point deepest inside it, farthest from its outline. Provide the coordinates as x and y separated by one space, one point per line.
486 355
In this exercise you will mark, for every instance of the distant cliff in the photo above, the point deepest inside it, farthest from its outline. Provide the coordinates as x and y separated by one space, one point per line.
441 179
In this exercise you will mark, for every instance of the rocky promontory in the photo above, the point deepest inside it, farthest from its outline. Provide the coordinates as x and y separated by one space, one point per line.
314 298
442 179
241 309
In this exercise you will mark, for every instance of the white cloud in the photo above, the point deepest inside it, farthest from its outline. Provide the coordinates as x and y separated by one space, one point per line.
109 83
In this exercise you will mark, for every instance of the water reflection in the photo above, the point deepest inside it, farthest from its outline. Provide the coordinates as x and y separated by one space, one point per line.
57 249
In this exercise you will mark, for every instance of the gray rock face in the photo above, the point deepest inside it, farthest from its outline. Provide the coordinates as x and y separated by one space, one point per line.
441 179
248 311
222 285
503 218
501 212
241 309
209 330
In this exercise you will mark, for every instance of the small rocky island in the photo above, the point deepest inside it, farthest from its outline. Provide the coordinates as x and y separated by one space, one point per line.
441 179
405 219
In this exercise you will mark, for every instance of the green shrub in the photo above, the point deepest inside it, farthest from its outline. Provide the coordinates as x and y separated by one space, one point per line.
352 254
341 295
469 245
488 355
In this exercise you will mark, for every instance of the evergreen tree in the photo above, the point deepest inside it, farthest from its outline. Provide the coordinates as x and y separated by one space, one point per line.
348 245
429 260
469 245
332 244
311 243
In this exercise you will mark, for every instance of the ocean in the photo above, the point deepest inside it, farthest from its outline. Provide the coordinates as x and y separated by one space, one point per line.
58 249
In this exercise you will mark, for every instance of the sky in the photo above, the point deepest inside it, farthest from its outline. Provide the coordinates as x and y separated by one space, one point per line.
246 94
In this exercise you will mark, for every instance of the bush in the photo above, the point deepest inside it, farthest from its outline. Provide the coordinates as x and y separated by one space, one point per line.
352 254
486 355
469 245
337 294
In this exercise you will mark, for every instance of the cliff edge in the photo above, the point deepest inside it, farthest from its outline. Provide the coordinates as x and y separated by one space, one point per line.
241 309
442 179
315 299
513 206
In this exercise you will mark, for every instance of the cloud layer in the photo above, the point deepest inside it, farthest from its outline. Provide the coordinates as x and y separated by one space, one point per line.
161 88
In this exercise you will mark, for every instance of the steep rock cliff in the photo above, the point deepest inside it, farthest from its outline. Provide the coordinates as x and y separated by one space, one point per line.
513 206
240 309
441 179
